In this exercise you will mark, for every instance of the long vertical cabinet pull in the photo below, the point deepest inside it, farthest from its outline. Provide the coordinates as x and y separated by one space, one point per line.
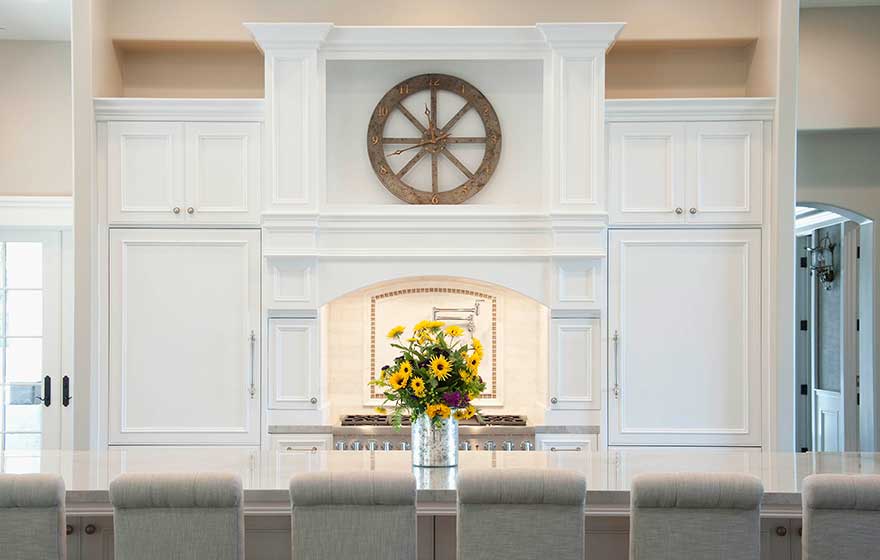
616 341
253 340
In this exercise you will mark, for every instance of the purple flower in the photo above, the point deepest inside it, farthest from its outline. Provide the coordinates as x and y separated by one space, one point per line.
455 399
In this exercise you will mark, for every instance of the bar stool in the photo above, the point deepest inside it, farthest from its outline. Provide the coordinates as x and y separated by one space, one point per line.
32 523
353 515
190 516
841 517
695 516
520 514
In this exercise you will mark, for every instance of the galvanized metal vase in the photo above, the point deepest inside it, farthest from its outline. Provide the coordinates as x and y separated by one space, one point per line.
434 445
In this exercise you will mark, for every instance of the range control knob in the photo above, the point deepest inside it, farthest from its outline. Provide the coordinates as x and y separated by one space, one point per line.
489 445
355 445
507 445
465 446
372 445
527 446
405 446
339 445
386 446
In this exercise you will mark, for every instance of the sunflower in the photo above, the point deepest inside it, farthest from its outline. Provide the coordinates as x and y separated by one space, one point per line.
454 330
473 362
405 367
461 414
471 411
440 368
398 380
440 410
418 387
395 332
381 410
478 347
465 375
421 325
435 324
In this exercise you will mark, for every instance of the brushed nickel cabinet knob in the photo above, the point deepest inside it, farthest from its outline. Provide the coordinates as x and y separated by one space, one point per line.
176 209
190 210
679 211
313 400
781 531
91 529
70 529
693 210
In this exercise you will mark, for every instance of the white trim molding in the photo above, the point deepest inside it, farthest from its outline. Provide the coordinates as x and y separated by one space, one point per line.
36 211
687 109
149 109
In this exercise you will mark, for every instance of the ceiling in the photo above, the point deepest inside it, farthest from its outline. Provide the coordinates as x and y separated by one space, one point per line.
35 20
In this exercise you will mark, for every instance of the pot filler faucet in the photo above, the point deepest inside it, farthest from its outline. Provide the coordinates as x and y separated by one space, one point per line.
460 315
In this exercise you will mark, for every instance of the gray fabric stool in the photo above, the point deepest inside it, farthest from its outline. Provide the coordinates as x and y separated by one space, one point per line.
695 516
353 515
32 524
841 517
519 514
177 516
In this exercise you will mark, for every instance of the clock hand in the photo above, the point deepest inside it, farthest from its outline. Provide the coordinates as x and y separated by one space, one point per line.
419 145
430 121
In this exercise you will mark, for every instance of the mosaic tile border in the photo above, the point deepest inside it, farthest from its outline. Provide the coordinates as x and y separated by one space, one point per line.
492 391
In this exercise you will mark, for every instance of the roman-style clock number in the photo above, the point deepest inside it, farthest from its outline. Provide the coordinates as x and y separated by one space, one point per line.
433 139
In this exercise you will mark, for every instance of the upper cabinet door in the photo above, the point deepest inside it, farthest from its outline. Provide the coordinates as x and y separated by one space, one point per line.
223 173
685 325
184 336
725 172
646 173
145 172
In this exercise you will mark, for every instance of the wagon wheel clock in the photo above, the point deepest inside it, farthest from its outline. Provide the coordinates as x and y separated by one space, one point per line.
432 139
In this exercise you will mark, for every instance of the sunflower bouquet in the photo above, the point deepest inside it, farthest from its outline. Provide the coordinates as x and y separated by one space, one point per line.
436 373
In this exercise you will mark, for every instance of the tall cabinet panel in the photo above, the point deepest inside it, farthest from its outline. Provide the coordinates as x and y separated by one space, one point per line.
184 336
685 327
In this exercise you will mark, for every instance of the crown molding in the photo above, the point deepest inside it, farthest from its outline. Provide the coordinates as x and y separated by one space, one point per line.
150 109
684 109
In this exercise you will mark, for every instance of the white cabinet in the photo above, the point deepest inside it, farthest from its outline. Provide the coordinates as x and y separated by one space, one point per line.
576 363
184 336
686 308
183 173
294 378
292 443
567 442
686 173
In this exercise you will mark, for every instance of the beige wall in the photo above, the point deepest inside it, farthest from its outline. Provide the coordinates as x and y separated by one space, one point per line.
839 68
220 20
106 73
35 118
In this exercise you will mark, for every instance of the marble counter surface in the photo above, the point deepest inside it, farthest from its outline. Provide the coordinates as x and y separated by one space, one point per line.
265 473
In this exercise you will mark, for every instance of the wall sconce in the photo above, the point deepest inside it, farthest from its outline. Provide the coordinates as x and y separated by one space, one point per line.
822 261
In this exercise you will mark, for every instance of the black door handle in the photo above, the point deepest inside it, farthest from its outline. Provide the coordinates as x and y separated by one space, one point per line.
65 391
47 391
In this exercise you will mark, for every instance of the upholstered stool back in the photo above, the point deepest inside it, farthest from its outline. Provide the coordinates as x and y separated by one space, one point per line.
841 517
32 525
693 516
519 514
353 515
190 516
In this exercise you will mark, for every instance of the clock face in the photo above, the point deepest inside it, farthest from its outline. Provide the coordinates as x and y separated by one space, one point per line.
434 139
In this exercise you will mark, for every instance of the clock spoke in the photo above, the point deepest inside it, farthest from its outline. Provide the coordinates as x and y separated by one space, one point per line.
457 163
396 140
435 185
466 140
411 163
456 117
412 118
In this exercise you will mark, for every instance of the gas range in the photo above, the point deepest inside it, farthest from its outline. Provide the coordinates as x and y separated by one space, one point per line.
374 432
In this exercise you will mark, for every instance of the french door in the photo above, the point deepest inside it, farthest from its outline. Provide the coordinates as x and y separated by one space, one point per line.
30 340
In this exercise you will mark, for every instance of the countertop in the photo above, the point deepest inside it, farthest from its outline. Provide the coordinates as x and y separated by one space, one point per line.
467 430
265 473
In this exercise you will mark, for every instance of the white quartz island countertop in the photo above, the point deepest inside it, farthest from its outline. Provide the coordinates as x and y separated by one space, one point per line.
266 474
